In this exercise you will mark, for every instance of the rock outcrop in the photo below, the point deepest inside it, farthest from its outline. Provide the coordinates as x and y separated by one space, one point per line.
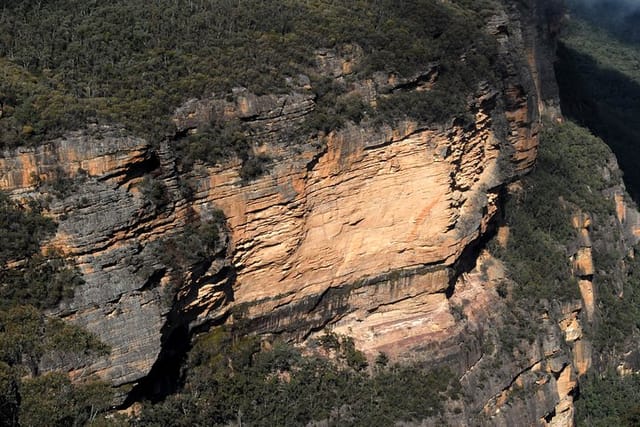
371 231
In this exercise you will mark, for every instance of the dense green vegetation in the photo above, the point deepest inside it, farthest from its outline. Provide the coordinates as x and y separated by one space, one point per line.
30 283
619 300
68 62
618 17
608 400
569 177
241 380
22 229
215 142
565 180
51 400
599 77
41 281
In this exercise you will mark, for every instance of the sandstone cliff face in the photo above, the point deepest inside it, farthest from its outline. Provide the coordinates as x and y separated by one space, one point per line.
369 231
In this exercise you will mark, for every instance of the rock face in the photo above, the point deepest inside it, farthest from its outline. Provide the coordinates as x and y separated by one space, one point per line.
369 231
301 232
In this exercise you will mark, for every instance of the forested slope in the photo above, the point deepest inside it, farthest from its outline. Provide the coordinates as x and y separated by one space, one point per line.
599 82
68 62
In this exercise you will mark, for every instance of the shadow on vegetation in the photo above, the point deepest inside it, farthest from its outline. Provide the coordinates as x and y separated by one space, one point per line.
608 103
618 18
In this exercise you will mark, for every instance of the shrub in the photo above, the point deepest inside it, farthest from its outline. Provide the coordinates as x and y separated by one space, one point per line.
194 247
608 399
154 191
276 385
254 166
214 143
52 400
9 397
22 228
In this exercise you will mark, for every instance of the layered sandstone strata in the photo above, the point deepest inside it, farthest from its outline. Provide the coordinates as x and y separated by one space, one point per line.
369 230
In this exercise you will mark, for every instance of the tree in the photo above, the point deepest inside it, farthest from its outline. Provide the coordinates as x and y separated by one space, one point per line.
9 399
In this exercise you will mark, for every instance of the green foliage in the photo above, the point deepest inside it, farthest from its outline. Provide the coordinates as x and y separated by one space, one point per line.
34 107
351 107
238 380
519 326
608 400
355 359
619 304
214 143
448 98
196 246
197 243
26 335
569 176
599 80
42 281
254 166
154 191
599 83
22 229
21 331
502 289
132 62
51 400
329 341
29 283
59 185
618 19
382 360
63 337
577 160
345 350
9 397
46 401
217 142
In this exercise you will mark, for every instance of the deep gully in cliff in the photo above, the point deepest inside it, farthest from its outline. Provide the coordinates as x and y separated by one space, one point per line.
182 324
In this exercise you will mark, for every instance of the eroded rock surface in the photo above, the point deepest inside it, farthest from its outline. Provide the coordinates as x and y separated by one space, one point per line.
371 231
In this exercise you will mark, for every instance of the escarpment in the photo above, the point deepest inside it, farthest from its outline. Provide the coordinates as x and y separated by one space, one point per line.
372 230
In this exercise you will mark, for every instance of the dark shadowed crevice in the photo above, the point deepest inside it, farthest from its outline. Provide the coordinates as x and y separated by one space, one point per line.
166 376
549 417
469 257
137 170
